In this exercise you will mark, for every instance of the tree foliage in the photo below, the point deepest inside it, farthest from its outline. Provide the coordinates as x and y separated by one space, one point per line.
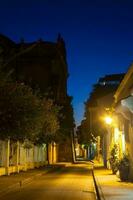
24 114
83 133
67 123
50 122
20 111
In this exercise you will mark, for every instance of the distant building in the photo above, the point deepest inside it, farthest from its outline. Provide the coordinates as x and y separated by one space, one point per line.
103 89
101 100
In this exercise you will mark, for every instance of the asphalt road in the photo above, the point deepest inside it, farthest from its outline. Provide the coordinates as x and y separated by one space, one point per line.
69 183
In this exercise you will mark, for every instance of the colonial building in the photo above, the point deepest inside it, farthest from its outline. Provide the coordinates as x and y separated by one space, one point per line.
40 64
122 135
43 66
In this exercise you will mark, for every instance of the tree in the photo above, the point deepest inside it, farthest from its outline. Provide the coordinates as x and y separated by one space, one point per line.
83 133
21 112
66 120
50 122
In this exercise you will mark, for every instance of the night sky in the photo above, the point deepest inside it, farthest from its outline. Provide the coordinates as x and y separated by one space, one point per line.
98 36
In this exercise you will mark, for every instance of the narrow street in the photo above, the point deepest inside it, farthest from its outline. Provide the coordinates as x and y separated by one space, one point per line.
71 182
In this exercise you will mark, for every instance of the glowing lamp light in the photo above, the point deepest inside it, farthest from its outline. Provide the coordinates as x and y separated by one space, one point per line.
108 120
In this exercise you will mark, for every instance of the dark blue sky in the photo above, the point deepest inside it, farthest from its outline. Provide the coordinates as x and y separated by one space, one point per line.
98 36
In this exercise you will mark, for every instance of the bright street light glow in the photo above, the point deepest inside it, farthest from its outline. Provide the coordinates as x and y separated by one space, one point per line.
108 120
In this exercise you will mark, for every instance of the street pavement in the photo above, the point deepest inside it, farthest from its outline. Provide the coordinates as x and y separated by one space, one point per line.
65 181
72 182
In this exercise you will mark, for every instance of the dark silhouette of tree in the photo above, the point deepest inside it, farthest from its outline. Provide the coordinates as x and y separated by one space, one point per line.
50 122
26 114
20 112
67 123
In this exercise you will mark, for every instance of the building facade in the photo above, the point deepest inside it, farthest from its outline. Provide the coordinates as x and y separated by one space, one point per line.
123 115
42 65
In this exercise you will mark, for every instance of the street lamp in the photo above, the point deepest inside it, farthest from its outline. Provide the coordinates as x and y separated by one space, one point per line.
108 120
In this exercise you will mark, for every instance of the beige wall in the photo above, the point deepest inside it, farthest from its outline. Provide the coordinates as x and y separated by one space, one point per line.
15 157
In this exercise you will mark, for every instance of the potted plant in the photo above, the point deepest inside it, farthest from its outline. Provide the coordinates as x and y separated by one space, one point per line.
124 168
113 160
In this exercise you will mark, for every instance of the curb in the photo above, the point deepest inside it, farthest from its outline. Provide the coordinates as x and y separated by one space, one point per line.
100 191
101 194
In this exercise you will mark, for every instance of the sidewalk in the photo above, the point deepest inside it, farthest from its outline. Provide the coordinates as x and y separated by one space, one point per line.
111 187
